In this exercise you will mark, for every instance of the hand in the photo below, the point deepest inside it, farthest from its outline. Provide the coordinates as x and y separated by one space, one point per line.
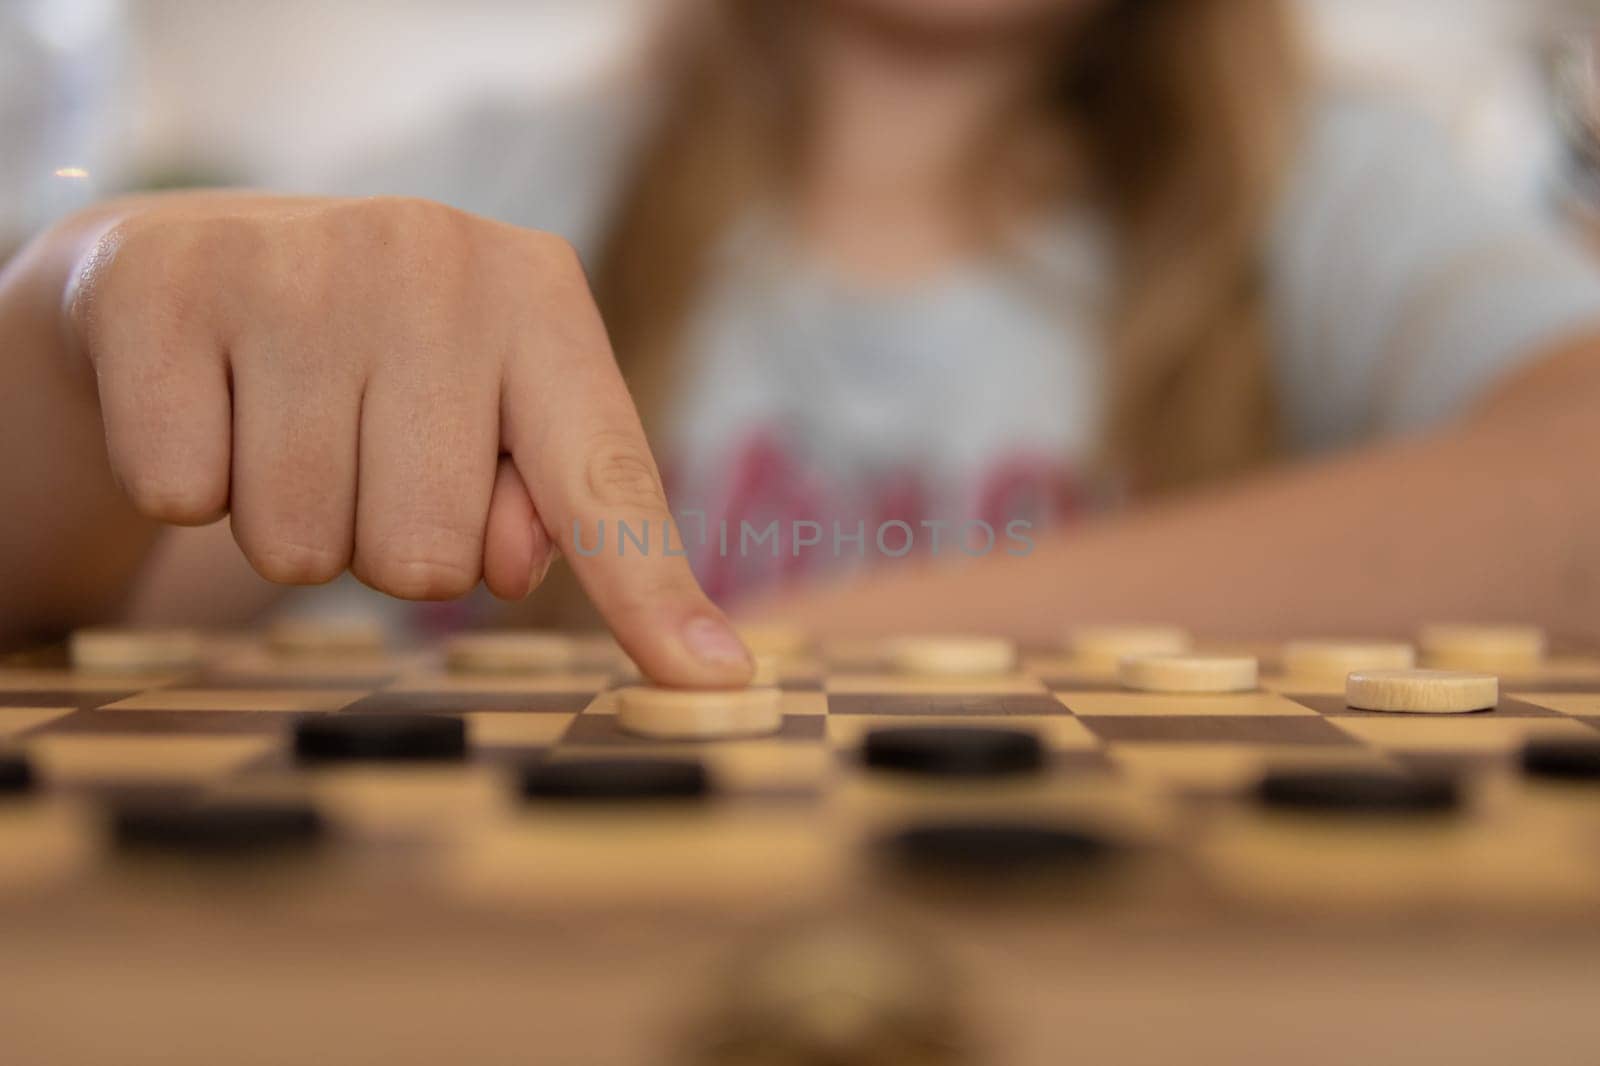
419 395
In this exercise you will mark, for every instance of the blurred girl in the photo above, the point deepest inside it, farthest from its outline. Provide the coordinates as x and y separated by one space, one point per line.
942 266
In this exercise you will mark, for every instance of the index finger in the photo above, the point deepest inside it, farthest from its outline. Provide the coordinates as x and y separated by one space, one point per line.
575 436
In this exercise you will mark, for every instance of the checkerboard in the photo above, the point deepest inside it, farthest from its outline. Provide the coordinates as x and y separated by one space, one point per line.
446 917
795 814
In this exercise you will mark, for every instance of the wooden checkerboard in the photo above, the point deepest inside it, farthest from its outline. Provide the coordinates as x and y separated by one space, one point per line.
448 858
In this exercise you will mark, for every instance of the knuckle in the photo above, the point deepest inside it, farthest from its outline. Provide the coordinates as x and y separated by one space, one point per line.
149 279
185 502
413 257
125 274
411 578
620 474
561 283
202 246
91 284
411 229
557 253
437 561
290 562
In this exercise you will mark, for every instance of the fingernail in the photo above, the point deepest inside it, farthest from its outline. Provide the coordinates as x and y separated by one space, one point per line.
714 642
539 575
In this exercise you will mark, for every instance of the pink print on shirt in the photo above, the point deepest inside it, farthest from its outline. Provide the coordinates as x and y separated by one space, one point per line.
770 518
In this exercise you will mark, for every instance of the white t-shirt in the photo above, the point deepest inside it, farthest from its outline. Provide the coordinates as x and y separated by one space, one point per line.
1399 294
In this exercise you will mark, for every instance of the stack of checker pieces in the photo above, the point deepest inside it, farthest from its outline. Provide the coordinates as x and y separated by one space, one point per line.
509 781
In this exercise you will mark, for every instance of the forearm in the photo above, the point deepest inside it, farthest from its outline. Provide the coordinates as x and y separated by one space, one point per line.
1497 518
73 548
69 542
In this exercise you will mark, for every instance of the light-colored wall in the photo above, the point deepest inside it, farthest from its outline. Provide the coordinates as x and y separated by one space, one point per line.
273 93
1473 64
278 92
279 89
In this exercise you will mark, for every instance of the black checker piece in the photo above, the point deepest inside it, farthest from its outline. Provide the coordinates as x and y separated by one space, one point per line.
380 738
16 774
988 850
1562 760
616 780
220 829
953 751
1358 792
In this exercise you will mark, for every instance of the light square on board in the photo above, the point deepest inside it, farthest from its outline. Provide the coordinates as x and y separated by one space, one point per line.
392 702
90 758
1232 766
1319 686
209 722
1578 704
1338 707
284 701
1198 730
807 702
500 683
416 797
509 729
1459 733
15 720
764 765
905 684
719 856
66 681
1162 705
975 706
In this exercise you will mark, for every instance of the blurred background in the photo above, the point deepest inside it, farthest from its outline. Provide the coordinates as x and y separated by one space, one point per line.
101 95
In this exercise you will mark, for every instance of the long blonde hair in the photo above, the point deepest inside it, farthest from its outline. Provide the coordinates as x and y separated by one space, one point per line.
1184 109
